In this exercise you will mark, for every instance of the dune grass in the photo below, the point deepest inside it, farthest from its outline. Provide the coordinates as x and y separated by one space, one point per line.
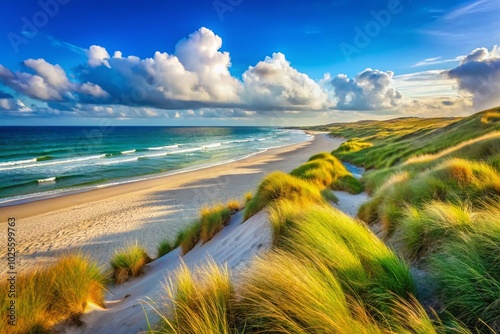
201 302
394 141
234 205
348 183
129 262
452 181
460 244
164 247
59 292
278 186
467 271
360 260
211 221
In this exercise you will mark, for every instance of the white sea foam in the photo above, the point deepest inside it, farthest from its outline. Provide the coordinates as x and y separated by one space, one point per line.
213 145
49 179
55 162
118 161
128 152
18 162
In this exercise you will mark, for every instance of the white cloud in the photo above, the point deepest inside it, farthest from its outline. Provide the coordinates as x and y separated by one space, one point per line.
274 83
478 74
368 90
97 56
49 83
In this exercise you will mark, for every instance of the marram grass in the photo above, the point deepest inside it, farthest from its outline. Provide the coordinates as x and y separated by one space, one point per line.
128 263
200 302
59 292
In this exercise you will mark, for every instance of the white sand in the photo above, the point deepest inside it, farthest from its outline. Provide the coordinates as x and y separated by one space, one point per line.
235 246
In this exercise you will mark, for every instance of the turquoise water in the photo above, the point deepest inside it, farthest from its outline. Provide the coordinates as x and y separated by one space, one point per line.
41 161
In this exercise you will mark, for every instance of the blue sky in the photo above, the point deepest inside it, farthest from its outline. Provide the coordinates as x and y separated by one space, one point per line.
326 60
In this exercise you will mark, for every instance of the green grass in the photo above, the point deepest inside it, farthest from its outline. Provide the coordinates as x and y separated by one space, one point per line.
285 294
189 236
348 183
452 181
164 247
329 274
128 263
484 149
200 305
460 244
360 260
277 186
467 271
213 220
60 292
395 141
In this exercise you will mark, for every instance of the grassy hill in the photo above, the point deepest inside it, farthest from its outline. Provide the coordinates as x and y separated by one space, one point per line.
379 144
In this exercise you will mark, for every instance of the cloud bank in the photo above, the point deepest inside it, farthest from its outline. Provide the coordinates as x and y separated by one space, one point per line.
195 81
479 75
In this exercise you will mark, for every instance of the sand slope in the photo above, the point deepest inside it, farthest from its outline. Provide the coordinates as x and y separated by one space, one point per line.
235 245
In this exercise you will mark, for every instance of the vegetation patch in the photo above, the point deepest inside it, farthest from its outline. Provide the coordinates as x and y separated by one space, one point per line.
201 302
59 292
278 186
128 263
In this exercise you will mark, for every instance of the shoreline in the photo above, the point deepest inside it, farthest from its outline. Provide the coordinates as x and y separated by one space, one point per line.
6 202
144 182
102 220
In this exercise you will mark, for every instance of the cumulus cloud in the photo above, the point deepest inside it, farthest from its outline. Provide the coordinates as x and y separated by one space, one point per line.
97 56
274 83
368 90
48 83
195 76
478 74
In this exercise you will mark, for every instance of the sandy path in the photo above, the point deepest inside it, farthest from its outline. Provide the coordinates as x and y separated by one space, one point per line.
100 221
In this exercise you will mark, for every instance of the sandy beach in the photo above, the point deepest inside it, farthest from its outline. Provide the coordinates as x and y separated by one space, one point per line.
100 221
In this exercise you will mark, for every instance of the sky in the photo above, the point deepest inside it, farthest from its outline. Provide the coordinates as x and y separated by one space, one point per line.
242 62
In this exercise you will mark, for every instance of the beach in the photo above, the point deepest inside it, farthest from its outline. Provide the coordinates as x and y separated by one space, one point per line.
101 221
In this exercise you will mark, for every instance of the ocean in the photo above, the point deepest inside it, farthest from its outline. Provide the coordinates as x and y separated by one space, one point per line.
46 161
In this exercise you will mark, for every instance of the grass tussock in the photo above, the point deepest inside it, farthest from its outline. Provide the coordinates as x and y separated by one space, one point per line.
365 266
348 183
453 181
281 186
285 294
164 247
234 205
59 292
460 246
213 220
128 263
200 300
